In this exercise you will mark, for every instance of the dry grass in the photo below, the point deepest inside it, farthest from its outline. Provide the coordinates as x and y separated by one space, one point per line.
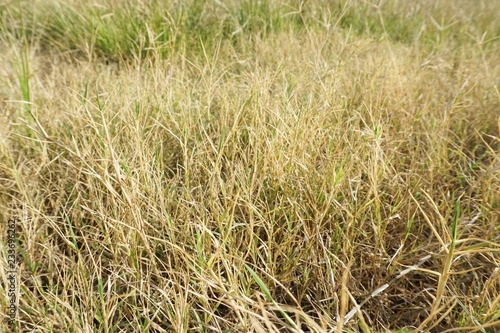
295 167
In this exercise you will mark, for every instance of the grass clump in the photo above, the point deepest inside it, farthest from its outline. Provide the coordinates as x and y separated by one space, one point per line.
255 166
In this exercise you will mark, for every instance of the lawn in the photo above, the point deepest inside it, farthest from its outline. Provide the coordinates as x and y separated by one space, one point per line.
250 166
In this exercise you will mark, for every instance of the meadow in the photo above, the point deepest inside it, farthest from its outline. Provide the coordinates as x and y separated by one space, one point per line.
251 165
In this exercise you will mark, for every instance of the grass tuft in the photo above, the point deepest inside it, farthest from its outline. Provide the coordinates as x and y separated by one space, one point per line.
251 166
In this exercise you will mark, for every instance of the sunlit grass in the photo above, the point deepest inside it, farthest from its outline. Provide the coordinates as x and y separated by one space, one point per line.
252 166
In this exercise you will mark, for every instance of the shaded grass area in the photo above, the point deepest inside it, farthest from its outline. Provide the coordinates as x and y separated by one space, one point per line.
252 166
136 29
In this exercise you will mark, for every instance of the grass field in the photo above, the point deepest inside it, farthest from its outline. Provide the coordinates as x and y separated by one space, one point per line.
250 166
